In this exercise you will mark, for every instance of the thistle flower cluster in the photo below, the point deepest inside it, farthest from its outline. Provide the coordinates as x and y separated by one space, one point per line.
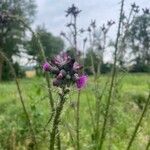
135 7
73 10
66 71
146 11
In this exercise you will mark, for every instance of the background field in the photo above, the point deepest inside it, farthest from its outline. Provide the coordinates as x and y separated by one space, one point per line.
127 106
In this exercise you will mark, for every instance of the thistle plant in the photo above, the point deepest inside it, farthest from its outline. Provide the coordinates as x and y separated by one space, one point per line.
73 12
138 124
98 37
103 134
98 42
66 72
6 18
127 21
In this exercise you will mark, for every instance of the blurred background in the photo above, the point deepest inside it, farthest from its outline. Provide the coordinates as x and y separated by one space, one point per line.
48 18
112 45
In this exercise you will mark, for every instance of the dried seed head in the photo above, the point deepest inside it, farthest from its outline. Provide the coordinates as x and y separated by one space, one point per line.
73 11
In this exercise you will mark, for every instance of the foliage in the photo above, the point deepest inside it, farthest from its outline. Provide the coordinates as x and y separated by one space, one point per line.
139 42
126 114
52 45
139 66
12 33
87 62
7 75
104 67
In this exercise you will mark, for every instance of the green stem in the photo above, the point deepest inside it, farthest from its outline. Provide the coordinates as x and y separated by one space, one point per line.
139 123
78 121
56 120
58 140
148 145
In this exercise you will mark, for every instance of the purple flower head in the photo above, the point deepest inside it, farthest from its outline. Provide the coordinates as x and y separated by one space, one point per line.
47 66
81 81
61 74
66 71
61 59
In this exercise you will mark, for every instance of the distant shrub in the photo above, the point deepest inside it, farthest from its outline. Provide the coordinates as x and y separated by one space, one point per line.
7 75
106 67
140 68
19 71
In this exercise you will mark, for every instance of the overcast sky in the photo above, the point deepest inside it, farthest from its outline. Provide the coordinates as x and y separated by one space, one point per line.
52 12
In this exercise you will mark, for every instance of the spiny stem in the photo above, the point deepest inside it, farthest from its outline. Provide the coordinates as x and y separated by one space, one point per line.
42 54
78 99
58 140
75 34
139 123
148 145
78 121
56 120
20 95
112 80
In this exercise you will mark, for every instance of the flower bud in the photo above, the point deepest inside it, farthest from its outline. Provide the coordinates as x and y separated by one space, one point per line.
61 74
68 77
47 66
69 65
56 82
55 70
75 77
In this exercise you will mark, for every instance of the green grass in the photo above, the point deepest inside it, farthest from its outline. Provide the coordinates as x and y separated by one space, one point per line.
127 104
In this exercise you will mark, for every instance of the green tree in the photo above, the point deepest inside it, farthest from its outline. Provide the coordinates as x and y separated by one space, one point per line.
52 44
12 32
89 68
139 41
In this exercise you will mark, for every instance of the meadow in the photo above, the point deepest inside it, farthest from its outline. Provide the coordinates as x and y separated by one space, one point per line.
127 104
62 108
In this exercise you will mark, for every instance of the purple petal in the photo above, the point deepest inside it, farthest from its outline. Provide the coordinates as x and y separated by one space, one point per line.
81 82
77 66
61 59
47 66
